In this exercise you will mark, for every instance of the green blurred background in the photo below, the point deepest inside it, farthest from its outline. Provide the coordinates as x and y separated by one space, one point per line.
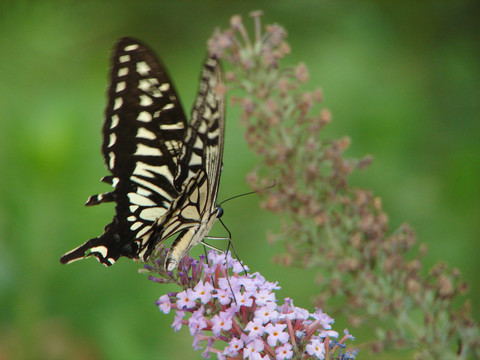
401 79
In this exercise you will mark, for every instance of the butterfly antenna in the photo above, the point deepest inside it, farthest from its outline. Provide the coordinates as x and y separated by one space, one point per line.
250 193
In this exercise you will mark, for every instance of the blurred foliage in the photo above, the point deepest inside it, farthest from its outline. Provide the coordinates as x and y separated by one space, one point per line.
401 79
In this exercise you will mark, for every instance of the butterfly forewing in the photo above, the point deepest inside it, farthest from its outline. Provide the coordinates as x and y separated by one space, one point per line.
204 138
165 174
143 134
194 211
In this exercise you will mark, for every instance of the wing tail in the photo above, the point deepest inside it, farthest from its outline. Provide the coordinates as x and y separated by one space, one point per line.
101 248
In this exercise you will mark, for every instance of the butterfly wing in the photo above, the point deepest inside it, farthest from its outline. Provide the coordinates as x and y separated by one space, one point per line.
143 136
203 143
200 164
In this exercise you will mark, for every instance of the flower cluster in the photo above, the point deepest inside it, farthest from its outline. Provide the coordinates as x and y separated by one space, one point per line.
238 316
324 219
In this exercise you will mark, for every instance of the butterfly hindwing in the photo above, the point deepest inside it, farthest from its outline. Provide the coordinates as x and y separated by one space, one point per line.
165 173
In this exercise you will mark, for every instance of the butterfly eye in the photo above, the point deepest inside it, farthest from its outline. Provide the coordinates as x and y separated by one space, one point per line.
219 212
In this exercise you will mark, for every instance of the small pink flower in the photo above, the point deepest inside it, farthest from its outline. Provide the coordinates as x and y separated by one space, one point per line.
232 283
222 321
215 258
186 299
284 352
253 347
203 291
196 324
316 348
234 347
276 333
267 313
164 304
263 296
324 319
239 267
224 296
177 323
244 299
255 328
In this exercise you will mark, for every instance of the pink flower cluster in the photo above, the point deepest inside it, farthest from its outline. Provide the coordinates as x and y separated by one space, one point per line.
241 312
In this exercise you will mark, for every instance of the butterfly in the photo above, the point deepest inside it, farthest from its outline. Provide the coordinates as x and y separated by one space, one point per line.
165 172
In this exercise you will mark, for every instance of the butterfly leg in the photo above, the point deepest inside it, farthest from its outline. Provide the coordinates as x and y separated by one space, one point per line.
216 238
210 246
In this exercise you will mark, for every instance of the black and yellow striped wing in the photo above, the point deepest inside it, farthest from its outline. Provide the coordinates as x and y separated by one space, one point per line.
165 172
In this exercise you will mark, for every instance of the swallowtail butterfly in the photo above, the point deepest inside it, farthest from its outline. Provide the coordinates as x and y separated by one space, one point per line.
165 172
